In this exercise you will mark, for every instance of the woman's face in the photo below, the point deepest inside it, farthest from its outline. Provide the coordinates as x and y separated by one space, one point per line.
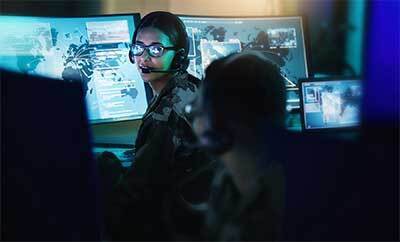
149 36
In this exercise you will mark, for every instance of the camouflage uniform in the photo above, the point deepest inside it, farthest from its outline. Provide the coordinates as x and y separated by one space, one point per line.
147 204
256 217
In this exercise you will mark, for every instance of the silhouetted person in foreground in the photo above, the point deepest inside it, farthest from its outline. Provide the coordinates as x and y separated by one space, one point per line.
278 185
243 98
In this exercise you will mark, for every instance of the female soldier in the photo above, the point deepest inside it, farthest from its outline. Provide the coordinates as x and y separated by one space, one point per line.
148 201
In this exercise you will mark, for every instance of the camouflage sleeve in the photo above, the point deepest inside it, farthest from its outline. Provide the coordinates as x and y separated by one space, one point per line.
135 208
153 159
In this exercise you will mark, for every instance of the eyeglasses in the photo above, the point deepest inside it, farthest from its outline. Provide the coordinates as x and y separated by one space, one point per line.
154 50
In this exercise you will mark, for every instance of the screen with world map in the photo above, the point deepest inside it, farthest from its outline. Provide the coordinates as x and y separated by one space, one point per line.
93 50
280 39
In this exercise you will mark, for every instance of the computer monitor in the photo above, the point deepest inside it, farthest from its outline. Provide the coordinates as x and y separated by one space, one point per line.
93 50
50 184
330 103
280 39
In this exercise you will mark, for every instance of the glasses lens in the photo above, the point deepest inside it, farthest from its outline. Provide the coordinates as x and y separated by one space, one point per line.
137 49
156 50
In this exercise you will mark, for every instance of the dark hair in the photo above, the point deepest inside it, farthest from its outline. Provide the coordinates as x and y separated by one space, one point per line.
244 89
174 28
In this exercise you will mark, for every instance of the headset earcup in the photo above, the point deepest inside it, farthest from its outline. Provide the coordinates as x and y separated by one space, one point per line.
184 62
179 60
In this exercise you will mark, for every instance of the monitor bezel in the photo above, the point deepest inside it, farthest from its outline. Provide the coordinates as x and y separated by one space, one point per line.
325 79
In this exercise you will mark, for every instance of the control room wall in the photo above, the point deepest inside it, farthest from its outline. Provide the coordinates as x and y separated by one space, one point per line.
204 7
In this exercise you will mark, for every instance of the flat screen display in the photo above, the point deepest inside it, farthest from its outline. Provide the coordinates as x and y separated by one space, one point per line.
280 39
330 104
92 50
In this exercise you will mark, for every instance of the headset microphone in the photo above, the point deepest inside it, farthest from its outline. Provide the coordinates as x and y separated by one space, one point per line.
147 70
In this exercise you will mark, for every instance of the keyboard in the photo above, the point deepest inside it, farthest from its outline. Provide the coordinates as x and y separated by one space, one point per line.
125 154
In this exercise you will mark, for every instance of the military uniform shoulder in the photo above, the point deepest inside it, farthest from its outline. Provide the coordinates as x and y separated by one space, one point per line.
184 92
187 81
179 94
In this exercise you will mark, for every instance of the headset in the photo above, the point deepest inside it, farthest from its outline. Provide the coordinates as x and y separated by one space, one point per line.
219 103
180 61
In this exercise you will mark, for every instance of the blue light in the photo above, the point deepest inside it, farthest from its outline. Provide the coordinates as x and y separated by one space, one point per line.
382 65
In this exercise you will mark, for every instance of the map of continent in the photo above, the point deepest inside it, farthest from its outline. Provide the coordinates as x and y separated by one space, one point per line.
212 42
90 50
